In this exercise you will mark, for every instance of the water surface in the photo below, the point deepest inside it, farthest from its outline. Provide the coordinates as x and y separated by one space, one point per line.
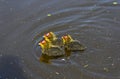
96 23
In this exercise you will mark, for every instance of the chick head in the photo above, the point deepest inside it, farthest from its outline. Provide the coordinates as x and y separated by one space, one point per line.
66 39
50 36
44 45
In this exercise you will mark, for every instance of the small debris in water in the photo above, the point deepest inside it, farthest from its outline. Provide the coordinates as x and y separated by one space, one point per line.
85 65
70 26
0 77
112 64
64 77
11 9
0 55
22 61
14 42
15 77
57 73
31 75
49 15
63 59
11 63
115 3
106 69
24 71
118 59
109 57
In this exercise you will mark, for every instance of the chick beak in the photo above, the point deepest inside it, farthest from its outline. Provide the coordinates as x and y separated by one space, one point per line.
42 44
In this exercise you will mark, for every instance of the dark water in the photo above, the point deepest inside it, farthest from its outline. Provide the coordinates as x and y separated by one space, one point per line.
96 23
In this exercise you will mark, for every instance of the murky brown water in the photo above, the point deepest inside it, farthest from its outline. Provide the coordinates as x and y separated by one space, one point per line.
96 23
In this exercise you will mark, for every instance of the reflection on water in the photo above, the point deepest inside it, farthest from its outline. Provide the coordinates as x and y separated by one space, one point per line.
46 59
96 23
